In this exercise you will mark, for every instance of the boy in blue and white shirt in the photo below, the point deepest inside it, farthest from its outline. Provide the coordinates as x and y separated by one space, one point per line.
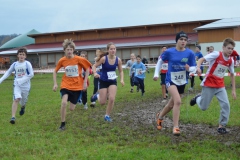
139 73
23 73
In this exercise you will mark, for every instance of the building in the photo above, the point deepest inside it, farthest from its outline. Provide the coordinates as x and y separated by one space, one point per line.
145 40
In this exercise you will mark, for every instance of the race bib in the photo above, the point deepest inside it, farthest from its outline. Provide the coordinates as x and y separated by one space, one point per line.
178 78
71 71
111 75
164 66
220 70
20 71
138 71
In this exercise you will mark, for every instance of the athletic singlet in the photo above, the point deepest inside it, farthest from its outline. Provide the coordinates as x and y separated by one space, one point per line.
215 77
109 71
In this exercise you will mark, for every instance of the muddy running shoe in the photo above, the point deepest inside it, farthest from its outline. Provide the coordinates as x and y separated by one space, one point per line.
193 100
12 121
22 111
159 122
176 131
222 130
164 100
131 90
93 104
108 119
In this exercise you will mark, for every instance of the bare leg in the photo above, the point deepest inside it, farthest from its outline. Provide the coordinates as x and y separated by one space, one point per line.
112 90
63 107
14 107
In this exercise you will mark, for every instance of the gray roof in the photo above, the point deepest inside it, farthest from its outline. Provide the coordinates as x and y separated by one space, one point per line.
223 23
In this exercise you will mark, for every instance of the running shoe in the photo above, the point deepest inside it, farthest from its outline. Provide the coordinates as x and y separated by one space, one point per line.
94 97
131 90
190 89
108 119
92 104
222 130
193 100
62 128
176 131
159 122
22 111
85 106
164 100
13 119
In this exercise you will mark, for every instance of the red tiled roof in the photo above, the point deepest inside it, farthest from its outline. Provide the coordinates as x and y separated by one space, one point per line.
120 43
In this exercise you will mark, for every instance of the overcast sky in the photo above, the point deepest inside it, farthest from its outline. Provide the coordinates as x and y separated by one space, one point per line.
21 16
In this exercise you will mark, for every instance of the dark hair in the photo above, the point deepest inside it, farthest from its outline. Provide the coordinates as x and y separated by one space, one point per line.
138 56
22 49
164 46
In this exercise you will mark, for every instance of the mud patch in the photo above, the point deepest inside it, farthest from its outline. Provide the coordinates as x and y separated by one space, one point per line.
142 118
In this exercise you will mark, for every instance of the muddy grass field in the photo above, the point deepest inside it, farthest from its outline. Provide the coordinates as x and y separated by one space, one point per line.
141 117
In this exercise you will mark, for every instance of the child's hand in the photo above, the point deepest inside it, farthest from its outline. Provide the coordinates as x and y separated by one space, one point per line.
85 86
96 75
55 87
122 82
234 95
187 67
155 78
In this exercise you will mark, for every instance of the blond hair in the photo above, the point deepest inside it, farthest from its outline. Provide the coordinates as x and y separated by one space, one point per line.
68 42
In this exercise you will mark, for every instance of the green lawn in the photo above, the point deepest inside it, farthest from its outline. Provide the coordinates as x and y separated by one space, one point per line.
36 136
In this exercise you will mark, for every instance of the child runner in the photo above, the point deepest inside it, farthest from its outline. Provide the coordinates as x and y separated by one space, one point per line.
108 82
72 84
198 55
21 86
96 79
139 73
131 73
83 95
179 59
164 69
213 83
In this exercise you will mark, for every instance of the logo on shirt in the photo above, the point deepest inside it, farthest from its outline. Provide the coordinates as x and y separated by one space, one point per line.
184 60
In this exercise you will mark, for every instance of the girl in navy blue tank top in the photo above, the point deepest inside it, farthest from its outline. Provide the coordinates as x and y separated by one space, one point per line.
108 82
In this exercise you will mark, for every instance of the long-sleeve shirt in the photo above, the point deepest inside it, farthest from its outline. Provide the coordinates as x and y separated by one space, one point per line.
23 73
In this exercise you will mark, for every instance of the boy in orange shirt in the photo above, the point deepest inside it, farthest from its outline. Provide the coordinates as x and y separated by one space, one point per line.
72 84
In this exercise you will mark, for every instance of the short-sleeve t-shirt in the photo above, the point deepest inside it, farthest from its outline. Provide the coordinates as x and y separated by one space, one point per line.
177 60
72 79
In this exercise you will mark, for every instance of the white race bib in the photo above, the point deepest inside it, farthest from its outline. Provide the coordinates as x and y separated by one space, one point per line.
112 75
20 71
138 71
178 78
164 66
71 71
220 70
